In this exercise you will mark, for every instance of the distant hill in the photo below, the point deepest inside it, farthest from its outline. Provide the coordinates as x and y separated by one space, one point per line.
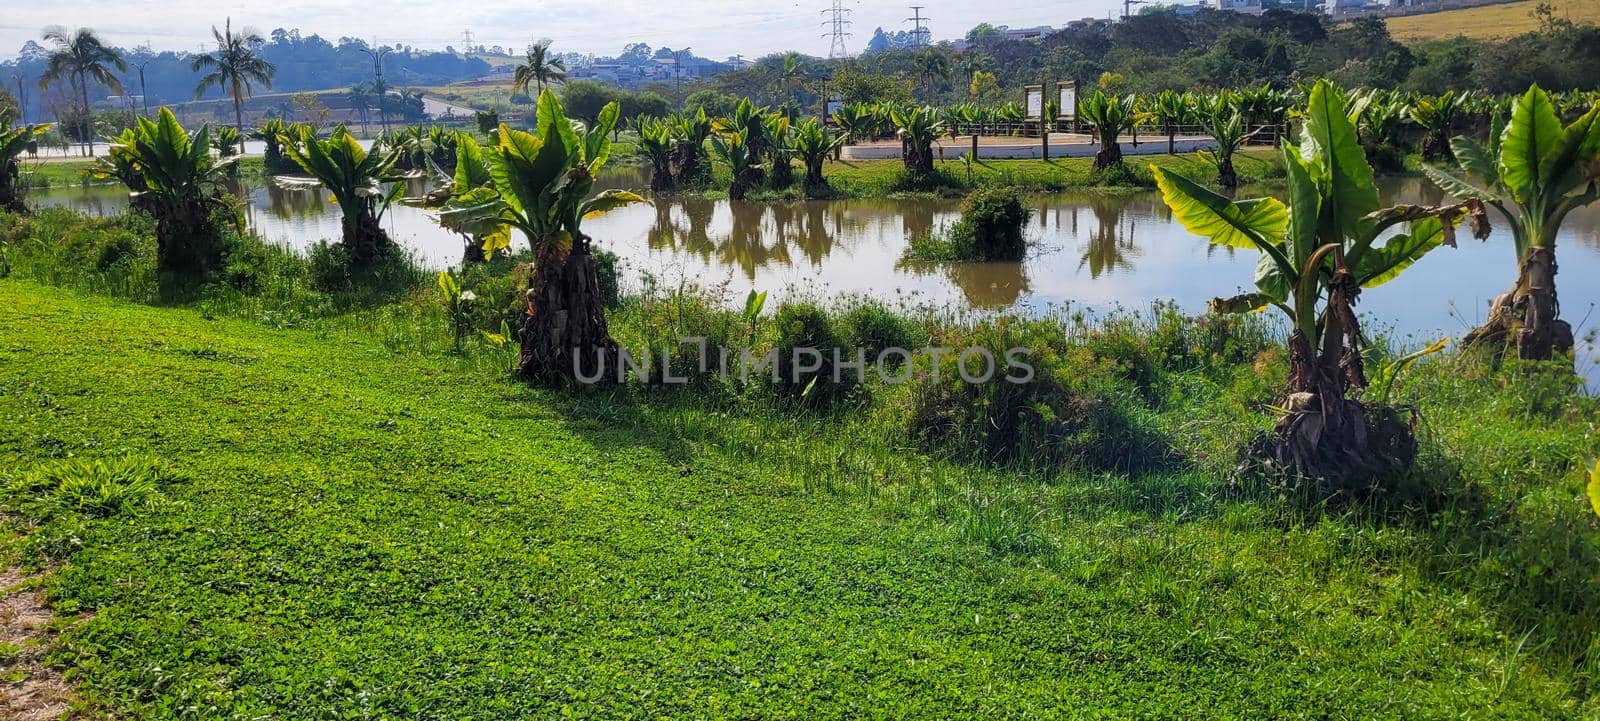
1489 22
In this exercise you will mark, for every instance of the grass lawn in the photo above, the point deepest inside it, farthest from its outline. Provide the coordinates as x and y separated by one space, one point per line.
346 522
1488 22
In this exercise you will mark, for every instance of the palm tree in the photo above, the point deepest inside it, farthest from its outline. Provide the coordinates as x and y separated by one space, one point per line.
361 102
540 69
233 66
79 56
932 66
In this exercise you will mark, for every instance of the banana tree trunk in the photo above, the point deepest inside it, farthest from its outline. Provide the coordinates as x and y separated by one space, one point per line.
9 198
1327 440
1227 177
364 238
918 156
782 175
814 177
1109 154
660 177
564 332
1528 316
186 239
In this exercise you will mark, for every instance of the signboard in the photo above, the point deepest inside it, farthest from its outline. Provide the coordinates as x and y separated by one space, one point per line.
833 106
1033 101
1067 104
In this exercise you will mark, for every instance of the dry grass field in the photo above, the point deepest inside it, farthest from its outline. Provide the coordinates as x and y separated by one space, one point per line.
1488 22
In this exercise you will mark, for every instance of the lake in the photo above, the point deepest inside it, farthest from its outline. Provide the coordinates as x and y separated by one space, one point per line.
1090 250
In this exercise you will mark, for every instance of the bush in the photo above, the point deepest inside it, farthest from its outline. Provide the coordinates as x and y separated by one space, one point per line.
330 268
605 269
990 229
873 326
806 326
1070 412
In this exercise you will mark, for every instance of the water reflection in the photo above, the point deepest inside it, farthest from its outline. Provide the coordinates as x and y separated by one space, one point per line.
1093 249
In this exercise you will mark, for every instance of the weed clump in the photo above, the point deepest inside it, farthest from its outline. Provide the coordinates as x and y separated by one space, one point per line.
990 229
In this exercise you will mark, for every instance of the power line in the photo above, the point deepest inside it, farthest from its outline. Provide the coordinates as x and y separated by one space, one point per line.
839 21
919 34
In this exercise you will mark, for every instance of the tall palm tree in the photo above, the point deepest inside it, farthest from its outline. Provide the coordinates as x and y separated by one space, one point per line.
932 67
361 102
234 65
540 69
80 57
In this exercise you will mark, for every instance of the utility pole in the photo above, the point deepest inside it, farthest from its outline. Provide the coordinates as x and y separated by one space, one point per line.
1128 4
838 21
919 34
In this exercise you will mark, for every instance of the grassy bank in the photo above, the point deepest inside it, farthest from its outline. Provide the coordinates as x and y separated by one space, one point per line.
1488 22
309 506
71 173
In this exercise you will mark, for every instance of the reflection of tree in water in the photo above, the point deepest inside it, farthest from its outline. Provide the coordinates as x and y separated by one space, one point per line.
749 245
916 217
288 204
984 285
1109 247
812 234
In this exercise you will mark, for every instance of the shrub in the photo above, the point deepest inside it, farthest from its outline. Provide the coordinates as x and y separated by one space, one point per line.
330 268
990 229
873 326
605 270
1071 411
806 326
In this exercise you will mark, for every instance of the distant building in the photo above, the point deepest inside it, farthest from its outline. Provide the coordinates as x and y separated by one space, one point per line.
1248 7
1033 33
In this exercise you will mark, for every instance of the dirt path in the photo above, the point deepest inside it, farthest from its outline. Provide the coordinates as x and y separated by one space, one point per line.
30 691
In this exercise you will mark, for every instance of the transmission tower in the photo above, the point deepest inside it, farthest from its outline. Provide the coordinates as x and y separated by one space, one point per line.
919 33
466 38
837 22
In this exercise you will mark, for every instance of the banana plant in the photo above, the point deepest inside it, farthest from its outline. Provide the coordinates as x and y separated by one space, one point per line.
813 142
1171 110
855 120
1111 116
1219 117
1437 117
225 139
656 142
173 177
470 173
1534 172
1317 254
744 164
355 178
14 139
270 132
689 152
918 127
442 144
540 186
777 131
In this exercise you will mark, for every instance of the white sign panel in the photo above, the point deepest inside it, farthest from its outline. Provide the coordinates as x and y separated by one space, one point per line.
1035 102
1069 101
834 106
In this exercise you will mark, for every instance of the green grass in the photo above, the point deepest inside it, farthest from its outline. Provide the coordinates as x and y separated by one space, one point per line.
70 173
337 516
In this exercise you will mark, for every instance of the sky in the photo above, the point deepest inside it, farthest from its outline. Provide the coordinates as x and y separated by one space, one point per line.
711 28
